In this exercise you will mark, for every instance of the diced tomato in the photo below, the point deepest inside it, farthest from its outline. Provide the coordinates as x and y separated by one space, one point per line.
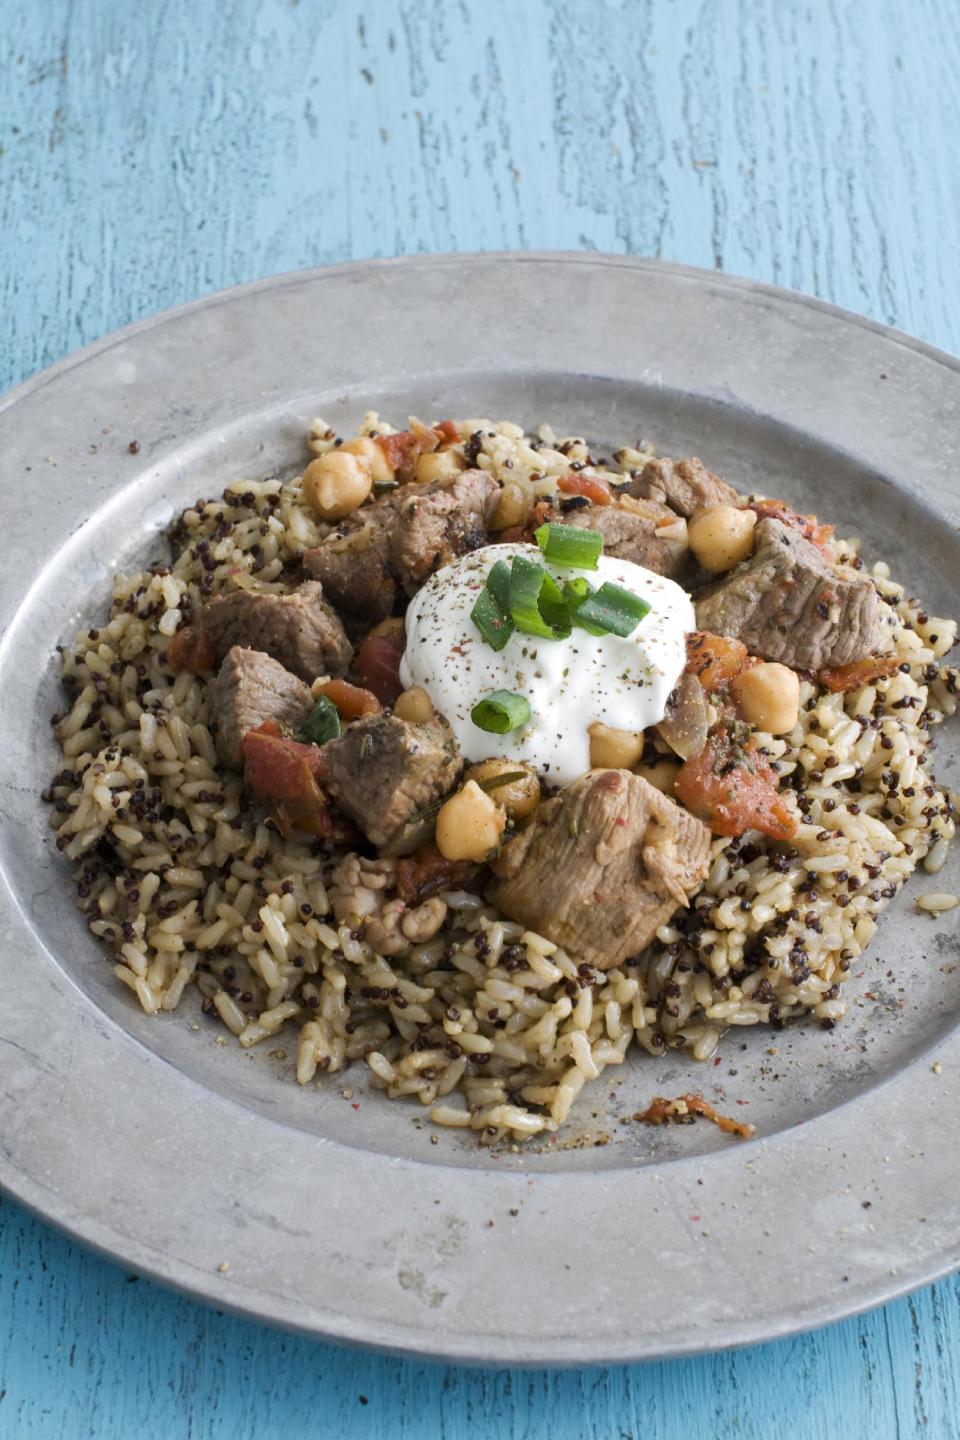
314 755
404 449
378 665
860 672
733 789
351 700
592 486
808 525
447 432
715 659
426 871
191 649
283 774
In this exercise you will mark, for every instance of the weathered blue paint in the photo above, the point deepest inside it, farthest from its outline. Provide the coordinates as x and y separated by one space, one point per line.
152 153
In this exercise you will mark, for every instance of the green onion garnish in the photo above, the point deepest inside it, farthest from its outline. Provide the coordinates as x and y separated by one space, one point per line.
498 583
322 724
491 613
575 592
494 625
536 604
570 547
612 610
501 712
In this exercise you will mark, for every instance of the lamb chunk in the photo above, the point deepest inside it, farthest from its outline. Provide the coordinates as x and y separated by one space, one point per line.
353 570
631 535
301 629
249 689
602 866
685 485
384 771
787 602
405 535
438 522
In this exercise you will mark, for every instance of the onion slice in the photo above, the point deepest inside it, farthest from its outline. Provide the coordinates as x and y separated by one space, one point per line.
684 727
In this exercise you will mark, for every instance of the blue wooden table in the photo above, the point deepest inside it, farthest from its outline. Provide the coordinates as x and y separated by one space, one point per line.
150 153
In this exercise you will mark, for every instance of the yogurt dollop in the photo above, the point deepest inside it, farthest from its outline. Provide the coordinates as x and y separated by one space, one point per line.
570 684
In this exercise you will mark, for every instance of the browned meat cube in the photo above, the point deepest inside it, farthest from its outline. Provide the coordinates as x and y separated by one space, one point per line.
787 602
602 866
384 772
249 689
629 535
685 485
353 569
439 522
300 630
404 536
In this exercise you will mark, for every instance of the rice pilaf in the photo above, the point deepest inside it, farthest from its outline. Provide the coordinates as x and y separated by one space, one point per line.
493 1027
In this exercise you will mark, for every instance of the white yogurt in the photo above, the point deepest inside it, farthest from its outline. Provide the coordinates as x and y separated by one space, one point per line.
623 683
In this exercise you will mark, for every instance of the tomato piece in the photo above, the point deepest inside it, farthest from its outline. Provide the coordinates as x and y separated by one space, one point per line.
283 773
377 663
404 449
808 525
351 700
191 649
715 659
314 755
426 871
592 486
733 789
860 672
446 432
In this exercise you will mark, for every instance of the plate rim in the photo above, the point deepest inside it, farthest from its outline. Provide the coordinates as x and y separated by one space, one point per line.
213 1289
282 278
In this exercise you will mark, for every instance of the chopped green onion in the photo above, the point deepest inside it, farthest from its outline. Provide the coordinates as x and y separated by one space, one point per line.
322 724
383 487
575 592
501 712
494 624
491 613
612 610
536 604
498 583
568 546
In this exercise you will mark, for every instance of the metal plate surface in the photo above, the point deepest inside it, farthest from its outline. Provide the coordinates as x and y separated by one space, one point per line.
147 1139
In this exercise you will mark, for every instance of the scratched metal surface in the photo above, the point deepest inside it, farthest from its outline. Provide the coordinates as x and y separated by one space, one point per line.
151 154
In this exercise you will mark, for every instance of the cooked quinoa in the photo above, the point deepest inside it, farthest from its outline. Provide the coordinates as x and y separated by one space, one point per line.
494 1028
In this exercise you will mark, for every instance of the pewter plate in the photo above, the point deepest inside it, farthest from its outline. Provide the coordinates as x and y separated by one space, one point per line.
207 1168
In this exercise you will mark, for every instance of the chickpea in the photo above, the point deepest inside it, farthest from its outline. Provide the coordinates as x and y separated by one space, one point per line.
721 536
414 705
768 696
439 465
393 625
614 749
513 507
518 797
336 484
369 451
660 775
469 825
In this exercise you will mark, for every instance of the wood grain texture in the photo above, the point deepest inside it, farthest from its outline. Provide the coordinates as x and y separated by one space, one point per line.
152 153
